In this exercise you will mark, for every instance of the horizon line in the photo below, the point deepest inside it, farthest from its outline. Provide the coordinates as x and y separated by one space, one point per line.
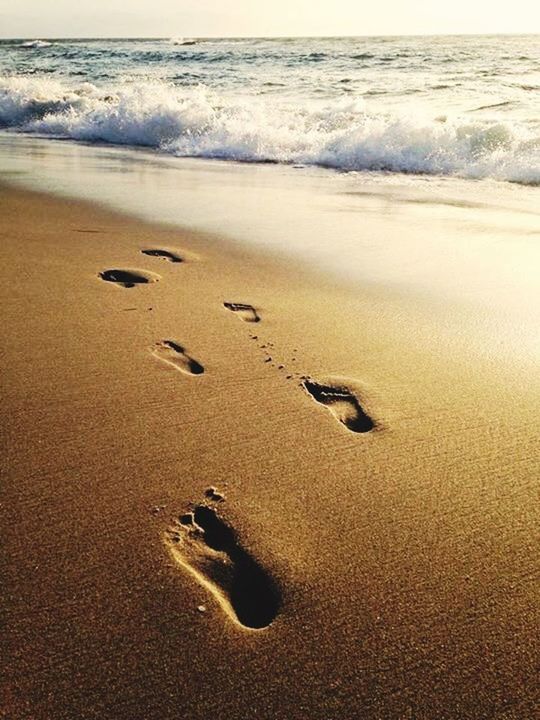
265 37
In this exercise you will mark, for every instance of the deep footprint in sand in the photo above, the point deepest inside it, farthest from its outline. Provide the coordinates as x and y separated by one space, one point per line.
175 354
129 278
204 545
164 255
343 404
244 311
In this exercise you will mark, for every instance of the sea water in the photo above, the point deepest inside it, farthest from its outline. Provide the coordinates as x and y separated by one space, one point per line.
464 107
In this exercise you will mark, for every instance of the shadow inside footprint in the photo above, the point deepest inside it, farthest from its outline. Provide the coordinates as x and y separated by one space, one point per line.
206 546
244 311
164 255
128 278
343 404
174 354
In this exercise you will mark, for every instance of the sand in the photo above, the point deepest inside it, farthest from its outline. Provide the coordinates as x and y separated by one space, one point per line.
236 488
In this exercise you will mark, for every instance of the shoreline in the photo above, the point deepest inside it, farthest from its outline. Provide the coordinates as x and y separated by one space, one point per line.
458 256
401 555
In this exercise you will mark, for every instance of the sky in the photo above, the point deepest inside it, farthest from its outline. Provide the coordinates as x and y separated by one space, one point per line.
201 18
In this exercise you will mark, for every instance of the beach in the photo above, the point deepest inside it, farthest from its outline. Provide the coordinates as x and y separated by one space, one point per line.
270 372
364 454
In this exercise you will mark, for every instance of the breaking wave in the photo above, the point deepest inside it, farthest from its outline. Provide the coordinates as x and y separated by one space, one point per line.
340 134
36 44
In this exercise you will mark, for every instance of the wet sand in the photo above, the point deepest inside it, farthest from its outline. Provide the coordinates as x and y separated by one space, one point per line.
236 488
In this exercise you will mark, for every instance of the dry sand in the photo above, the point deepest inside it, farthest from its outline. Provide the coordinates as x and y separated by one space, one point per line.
170 478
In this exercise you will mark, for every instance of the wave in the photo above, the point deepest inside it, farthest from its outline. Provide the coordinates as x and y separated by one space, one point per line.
208 41
36 44
182 41
197 122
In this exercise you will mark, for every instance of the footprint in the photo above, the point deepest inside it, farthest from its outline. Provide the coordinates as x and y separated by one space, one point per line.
246 312
129 278
204 545
174 354
342 403
164 255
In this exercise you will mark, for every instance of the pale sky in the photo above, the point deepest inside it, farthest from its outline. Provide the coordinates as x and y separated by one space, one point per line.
192 18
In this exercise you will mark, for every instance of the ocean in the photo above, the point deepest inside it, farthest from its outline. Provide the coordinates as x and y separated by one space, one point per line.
464 107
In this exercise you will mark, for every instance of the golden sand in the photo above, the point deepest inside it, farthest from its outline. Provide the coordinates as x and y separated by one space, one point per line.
234 489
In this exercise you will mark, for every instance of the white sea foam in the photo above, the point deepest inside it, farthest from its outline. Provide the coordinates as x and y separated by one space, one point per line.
182 41
36 44
341 134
